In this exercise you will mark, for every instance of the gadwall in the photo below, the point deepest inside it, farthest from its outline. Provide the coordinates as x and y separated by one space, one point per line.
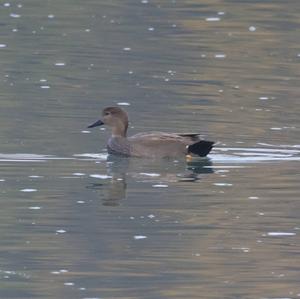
150 144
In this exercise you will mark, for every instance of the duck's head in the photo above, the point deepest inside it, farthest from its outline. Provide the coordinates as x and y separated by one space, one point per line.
116 118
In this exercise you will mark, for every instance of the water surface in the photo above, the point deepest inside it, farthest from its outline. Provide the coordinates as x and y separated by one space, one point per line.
76 223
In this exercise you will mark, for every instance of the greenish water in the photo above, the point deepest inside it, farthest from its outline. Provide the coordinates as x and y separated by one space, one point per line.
75 223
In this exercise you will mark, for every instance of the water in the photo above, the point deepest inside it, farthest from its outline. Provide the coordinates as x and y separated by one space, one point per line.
76 223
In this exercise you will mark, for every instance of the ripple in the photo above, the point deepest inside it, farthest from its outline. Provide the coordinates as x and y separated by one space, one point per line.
29 158
92 155
254 155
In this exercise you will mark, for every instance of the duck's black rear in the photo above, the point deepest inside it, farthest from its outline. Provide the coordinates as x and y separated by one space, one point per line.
201 148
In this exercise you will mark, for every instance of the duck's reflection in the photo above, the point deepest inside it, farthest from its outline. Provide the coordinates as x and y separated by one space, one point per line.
122 169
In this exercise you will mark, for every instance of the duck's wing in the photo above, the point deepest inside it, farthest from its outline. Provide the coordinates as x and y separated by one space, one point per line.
158 144
186 138
191 136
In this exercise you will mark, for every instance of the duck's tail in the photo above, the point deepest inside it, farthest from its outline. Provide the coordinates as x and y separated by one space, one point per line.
201 148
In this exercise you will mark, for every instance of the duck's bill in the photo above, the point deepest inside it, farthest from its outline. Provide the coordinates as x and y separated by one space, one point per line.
96 124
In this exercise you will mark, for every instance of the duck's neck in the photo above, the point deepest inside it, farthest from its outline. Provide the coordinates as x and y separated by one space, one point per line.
119 130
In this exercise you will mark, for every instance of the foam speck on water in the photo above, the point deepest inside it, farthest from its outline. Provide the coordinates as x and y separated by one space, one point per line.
139 237
28 190
244 249
150 174
222 171
60 64
100 176
276 129
6 4
220 55
223 184
263 98
2 180
78 173
160 186
3 45
212 19
45 86
85 132
35 208
280 234
61 231
69 283
126 49
51 16
252 28
14 15
123 104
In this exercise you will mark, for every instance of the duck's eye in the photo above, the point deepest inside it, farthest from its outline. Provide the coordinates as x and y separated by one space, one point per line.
106 113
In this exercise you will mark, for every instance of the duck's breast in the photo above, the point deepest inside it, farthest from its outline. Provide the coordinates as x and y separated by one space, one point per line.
118 146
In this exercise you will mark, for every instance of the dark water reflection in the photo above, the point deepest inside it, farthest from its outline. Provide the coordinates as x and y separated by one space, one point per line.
78 224
158 172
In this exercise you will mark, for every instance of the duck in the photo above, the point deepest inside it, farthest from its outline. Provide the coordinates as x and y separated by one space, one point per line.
151 144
